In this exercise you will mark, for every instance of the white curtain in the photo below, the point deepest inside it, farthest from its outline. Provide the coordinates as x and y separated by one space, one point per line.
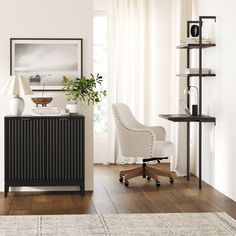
181 13
143 63
139 61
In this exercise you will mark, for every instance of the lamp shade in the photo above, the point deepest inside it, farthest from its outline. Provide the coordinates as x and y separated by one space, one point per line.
16 85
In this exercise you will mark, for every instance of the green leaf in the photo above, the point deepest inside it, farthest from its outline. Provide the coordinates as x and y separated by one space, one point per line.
83 89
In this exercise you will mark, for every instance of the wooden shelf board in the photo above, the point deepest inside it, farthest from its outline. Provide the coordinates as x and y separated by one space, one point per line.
194 45
186 118
196 75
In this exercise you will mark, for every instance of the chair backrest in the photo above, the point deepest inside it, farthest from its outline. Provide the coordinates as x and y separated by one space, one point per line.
134 142
125 115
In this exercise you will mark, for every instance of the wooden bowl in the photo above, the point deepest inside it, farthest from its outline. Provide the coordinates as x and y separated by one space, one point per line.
41 101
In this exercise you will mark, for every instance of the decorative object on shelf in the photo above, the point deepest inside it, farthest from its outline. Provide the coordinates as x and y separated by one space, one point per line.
194 110
72 108
44 61
190 92
49 111
16 86
194 30
190 40
44 101
196 71
83 90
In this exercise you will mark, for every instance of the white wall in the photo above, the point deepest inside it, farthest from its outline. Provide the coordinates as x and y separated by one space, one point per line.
219 96
42 18
101 5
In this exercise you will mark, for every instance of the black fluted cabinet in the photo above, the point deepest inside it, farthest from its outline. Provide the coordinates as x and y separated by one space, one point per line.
44 151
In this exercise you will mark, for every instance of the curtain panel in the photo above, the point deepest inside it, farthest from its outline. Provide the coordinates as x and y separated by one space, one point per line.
143 63
139 62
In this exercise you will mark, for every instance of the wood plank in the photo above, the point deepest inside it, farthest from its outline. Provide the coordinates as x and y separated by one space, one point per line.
21 205
5 205
133 203
110 196
82 205
126 200
101 200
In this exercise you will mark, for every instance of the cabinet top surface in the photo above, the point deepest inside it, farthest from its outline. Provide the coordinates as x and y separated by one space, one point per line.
31 116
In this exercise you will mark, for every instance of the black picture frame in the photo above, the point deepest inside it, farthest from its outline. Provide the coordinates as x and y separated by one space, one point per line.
23 45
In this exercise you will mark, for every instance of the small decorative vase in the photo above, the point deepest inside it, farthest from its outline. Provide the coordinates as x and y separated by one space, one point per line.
194 31
194 110
72 108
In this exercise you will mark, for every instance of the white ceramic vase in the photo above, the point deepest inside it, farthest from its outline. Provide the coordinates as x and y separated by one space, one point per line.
72 108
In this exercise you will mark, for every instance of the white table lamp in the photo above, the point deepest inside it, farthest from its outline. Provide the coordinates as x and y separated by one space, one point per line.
16 86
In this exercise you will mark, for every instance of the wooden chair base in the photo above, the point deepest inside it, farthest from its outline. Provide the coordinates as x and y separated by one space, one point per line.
145 171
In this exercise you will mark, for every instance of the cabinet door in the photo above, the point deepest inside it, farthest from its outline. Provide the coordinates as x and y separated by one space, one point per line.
24 149
63 150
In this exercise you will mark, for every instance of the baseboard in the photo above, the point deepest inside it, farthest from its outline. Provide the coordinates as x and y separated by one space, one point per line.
45 189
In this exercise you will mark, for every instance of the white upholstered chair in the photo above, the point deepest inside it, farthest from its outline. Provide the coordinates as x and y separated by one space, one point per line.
137 140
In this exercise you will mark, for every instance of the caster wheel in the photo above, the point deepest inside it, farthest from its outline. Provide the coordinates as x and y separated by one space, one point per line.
121 179
148 178
126 183
172 180
144 176
158 183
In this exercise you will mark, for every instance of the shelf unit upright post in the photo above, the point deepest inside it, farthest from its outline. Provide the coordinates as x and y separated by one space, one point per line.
200 22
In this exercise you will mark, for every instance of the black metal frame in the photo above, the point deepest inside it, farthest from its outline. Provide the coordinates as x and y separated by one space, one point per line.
24 168
200 22
81 58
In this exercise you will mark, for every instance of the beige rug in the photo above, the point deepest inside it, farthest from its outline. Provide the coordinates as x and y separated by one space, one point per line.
120 224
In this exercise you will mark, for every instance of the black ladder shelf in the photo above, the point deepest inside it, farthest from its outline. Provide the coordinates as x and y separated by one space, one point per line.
200 118
200 47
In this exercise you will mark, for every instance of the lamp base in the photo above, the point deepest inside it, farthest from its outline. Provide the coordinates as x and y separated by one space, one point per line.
16 105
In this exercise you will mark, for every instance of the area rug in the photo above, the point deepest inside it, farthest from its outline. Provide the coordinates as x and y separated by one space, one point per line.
189 224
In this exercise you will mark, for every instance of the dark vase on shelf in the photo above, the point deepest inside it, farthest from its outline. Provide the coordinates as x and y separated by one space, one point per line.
194 110
194 31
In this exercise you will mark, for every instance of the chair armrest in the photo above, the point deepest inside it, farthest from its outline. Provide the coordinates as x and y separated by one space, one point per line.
159 132
136 142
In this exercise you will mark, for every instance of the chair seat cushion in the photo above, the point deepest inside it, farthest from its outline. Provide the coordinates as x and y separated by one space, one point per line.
163 149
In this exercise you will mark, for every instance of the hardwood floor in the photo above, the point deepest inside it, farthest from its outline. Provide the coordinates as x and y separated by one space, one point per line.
110 196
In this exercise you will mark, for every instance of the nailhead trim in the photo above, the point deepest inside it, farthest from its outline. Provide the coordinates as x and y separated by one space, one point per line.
135 131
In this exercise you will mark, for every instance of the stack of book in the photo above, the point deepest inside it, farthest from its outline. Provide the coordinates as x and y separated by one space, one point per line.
49 111
196 71
191 40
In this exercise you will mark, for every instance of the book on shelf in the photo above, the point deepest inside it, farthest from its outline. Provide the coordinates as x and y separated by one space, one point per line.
49 111
187 41
196 71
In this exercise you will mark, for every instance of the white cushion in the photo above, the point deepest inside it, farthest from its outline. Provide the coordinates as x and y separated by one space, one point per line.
163 149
